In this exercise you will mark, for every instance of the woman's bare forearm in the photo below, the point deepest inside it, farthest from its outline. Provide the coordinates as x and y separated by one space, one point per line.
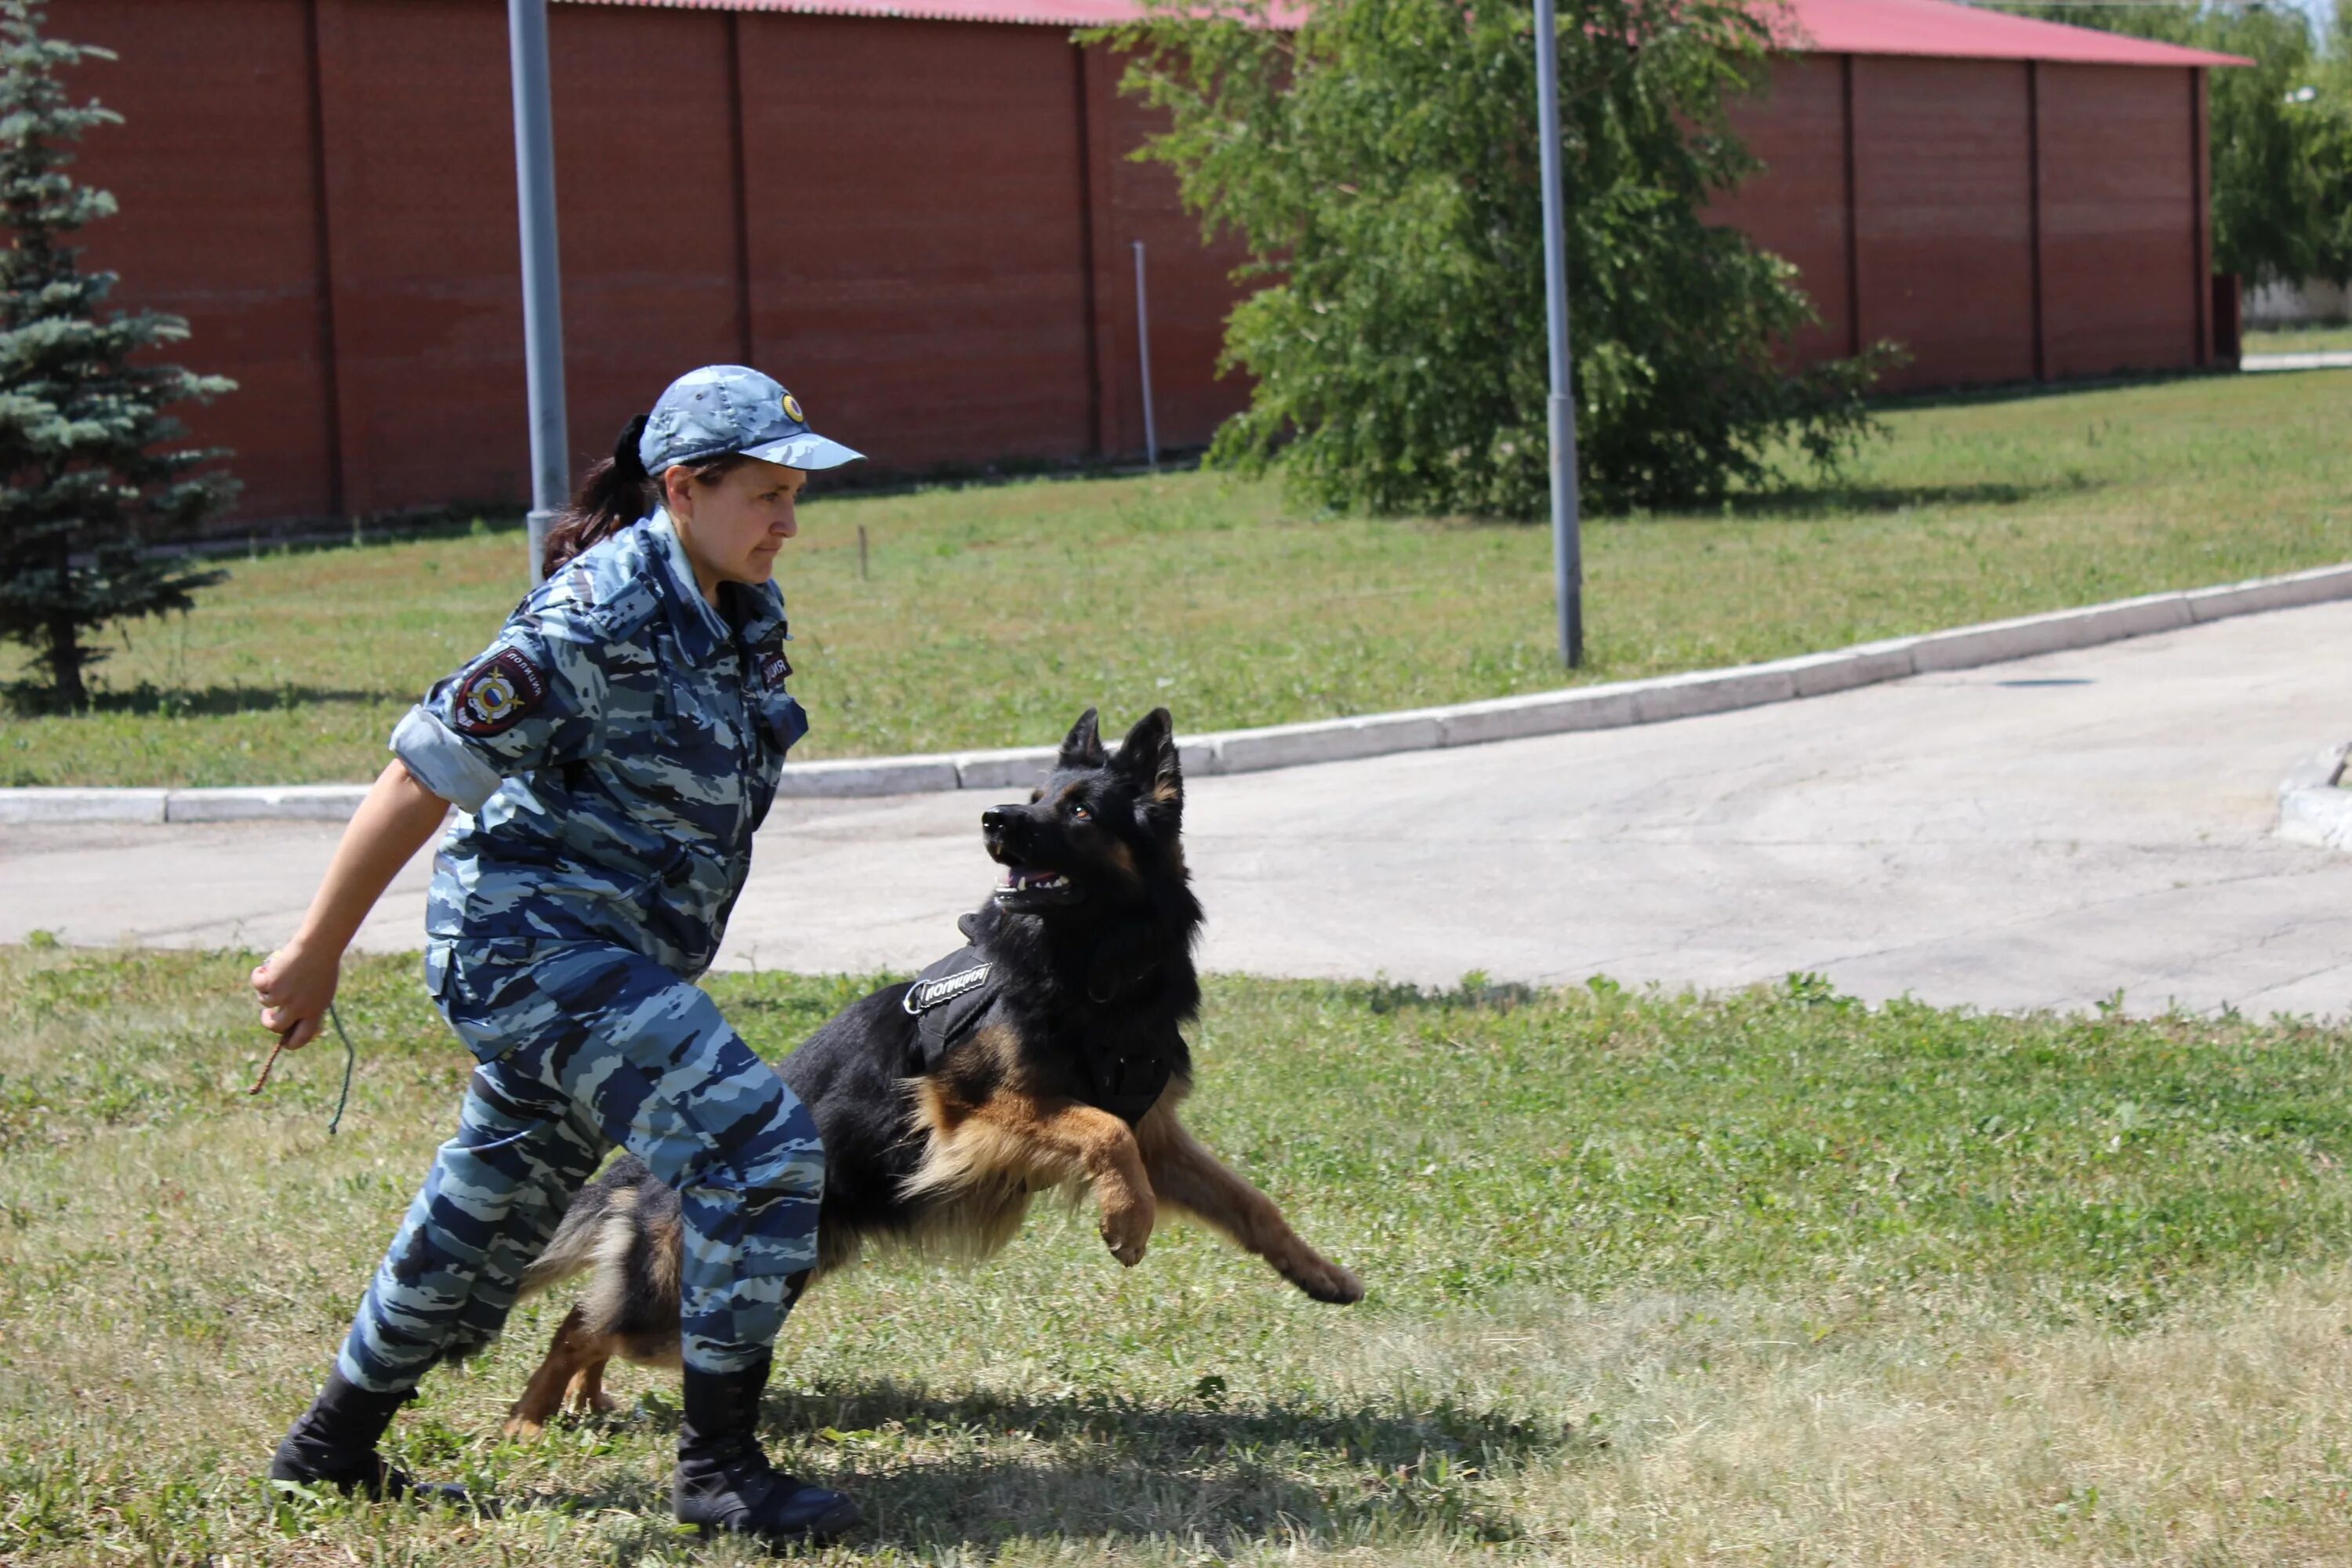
396 819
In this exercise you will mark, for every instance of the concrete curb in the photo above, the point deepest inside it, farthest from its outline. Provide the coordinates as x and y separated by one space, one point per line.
2313 807
2306 358
1374 735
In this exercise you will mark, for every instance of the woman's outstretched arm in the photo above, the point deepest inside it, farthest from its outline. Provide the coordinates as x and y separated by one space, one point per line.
297 982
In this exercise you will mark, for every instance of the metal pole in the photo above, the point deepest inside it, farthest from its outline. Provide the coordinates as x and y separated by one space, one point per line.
1567 545
1144 350
542 282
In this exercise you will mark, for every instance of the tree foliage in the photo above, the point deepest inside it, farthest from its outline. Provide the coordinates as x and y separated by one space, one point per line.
1379 161
84 469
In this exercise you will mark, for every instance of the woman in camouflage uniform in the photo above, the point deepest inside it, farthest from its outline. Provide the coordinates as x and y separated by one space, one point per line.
612 754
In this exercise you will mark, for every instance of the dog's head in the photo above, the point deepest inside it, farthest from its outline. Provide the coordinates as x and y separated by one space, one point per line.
1102 831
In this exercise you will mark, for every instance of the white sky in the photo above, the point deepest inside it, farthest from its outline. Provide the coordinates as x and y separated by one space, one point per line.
2317 10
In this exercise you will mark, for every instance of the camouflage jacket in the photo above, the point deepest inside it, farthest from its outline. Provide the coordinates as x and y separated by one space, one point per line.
613 751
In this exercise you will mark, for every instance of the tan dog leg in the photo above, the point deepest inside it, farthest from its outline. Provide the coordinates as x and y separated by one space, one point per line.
572 1353
587 1396
1184 1172
1018 1136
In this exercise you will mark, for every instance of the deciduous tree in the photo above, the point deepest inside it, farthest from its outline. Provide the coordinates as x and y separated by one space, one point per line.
1380 161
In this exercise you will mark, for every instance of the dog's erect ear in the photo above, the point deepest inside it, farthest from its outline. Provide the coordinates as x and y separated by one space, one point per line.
1083 747
1148 755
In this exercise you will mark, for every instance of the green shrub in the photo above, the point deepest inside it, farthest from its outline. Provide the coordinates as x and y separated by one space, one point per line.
1380 163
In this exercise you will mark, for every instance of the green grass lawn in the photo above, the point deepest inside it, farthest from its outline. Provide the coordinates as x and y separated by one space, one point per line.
2299 339
1770 1279
994 615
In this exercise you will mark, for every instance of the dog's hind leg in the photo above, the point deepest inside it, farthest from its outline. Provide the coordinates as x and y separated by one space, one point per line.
586 1396
1183 1173
575 1354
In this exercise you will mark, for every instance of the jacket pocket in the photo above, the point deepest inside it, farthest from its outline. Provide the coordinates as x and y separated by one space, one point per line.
484 989
436 970
783 719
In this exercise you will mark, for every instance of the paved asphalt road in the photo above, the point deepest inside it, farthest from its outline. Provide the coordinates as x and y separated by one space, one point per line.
2033 833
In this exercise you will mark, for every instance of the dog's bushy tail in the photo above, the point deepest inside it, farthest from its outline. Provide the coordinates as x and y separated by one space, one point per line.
575 1247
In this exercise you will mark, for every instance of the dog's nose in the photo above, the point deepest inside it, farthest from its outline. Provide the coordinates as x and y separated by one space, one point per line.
996 819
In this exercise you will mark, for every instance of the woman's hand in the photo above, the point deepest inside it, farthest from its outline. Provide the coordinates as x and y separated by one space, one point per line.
295 984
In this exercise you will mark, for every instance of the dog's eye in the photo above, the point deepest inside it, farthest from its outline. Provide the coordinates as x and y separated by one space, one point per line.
1079 813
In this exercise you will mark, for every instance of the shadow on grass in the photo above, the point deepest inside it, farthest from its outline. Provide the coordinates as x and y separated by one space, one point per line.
1143 1431
1474 992
2036 391
26 701
1149 1471
1809 503
1796 501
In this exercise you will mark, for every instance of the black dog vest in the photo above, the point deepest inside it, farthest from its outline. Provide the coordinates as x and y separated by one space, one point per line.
949 999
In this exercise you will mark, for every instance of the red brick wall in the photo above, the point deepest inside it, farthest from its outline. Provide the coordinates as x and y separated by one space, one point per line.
647 214
1190 291
215 172
917 258
1943 217
1797 208
926 229
2120 273
427 276
1976 183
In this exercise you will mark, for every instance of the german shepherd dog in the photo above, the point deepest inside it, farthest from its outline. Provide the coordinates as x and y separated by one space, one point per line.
947 1103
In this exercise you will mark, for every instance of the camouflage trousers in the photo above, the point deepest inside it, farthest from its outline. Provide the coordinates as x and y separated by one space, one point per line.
585 1045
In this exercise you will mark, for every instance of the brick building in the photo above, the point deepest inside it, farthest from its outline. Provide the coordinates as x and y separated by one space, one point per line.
919 213
2009 199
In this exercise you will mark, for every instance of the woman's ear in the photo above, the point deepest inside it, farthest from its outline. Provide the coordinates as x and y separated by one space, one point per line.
678 490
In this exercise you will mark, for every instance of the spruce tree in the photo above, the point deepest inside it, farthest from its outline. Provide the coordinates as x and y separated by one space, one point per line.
86 477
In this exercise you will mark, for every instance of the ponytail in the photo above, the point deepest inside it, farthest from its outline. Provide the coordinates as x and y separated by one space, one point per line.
614 493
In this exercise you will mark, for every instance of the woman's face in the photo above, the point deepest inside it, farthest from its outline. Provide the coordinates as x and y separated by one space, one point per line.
732 526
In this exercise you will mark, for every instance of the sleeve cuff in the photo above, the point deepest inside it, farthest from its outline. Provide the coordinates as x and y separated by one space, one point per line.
441 762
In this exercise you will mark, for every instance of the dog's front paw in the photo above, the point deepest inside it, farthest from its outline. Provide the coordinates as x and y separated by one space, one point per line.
1127 1229
1325 1280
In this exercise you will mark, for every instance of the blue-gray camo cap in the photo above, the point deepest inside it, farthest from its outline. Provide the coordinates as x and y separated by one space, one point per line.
724 409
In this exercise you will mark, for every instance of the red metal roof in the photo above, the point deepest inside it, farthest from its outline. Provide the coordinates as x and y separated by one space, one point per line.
1037 13
1820 26
1938 28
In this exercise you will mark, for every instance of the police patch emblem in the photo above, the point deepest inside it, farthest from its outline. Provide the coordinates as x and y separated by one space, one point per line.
793 409
774 667
497 693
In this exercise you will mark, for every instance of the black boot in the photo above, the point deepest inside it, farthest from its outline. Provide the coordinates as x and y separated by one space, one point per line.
334 1444
724 1483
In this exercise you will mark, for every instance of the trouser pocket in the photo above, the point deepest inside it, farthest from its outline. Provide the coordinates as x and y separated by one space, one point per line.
487 989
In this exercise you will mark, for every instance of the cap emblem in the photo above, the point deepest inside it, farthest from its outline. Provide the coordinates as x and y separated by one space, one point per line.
793 409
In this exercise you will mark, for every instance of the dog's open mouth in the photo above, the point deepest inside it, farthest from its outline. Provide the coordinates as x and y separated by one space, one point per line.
1028 886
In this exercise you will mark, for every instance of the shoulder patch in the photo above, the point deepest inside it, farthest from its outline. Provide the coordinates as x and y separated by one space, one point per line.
497 693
